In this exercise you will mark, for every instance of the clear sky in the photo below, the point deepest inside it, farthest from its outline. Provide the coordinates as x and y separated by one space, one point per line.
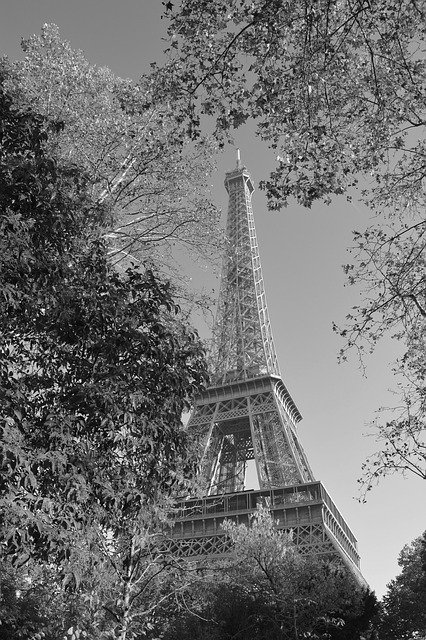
302 253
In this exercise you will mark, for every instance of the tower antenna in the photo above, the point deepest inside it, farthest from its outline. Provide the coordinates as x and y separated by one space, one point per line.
238 159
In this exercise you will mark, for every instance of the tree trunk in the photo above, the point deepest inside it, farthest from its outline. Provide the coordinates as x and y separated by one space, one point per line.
126 595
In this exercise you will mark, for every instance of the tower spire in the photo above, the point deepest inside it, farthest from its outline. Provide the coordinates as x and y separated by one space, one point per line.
243 345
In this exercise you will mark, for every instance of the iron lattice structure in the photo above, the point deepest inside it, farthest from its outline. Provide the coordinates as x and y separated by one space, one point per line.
248 415
242 338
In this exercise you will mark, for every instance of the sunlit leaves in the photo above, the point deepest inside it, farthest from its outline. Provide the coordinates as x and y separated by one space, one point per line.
142 164
334 87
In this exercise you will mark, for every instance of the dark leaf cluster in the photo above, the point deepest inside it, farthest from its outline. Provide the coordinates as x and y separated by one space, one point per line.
96 367
404 611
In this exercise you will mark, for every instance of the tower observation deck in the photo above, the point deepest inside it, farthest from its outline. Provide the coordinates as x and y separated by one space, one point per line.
247 419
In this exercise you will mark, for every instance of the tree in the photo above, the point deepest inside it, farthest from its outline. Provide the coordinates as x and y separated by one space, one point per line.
336 90
404 615
308 596
96 368
390 264
139 158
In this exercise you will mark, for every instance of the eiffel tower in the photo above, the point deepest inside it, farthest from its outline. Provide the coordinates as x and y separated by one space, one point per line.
247 419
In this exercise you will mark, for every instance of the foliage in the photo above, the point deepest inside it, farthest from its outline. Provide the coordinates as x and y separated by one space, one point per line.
404 614
391 264
336 89
34 606
138 157
20 612
96 368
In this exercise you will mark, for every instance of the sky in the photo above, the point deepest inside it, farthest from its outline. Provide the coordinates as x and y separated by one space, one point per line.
302 253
